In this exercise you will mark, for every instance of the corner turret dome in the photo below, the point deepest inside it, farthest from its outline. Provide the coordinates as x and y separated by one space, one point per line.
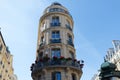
56 7
108 65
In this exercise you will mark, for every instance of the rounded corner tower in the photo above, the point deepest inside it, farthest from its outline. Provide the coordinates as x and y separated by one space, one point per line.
55 54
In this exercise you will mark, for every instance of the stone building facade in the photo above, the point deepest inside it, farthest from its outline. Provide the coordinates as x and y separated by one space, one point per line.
6 59
55 54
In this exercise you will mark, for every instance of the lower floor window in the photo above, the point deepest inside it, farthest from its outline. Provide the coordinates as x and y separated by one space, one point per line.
73 77
56 76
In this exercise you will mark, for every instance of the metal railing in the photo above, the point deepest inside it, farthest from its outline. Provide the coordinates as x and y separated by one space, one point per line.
57 63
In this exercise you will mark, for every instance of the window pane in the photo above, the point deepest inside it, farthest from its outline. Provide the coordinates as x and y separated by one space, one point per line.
55 20
56 34
56 52
58 76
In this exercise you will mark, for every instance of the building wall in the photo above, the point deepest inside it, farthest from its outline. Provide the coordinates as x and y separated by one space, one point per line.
6 59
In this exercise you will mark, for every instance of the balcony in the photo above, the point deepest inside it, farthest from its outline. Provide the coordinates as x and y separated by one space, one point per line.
68 27
55 24
55 40
70 43
57 62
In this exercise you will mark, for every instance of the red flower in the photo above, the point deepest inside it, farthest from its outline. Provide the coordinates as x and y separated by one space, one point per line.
69 58
75 60
62 57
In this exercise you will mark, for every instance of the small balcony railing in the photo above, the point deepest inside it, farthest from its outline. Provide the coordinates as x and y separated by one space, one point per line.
57 62
55 40
68 27
55 24
70 43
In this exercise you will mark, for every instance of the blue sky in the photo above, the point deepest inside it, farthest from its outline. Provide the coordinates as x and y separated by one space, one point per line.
96 24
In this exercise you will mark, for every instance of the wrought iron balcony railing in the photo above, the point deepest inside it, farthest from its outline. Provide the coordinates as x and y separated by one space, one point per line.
58 63
55 40
55 24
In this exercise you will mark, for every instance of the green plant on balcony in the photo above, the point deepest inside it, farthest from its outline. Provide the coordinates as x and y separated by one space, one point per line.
69 61
62 60
46 58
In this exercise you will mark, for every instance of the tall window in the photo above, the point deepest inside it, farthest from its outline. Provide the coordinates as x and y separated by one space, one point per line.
56 76
72 55
55 19
55 35
70 38
56 52
74 77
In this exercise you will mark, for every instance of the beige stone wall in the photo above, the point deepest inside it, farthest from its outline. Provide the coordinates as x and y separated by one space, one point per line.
6 69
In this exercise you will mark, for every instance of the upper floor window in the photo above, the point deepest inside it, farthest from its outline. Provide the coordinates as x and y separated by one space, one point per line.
70 38
55 35
72 55
56 76
55 21
74 77
68 25
56 52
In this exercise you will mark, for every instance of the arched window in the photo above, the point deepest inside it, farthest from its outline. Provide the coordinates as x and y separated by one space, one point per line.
56 76
73 77
56 52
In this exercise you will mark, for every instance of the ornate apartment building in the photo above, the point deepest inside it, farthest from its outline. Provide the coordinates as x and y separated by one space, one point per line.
6 59
55 54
